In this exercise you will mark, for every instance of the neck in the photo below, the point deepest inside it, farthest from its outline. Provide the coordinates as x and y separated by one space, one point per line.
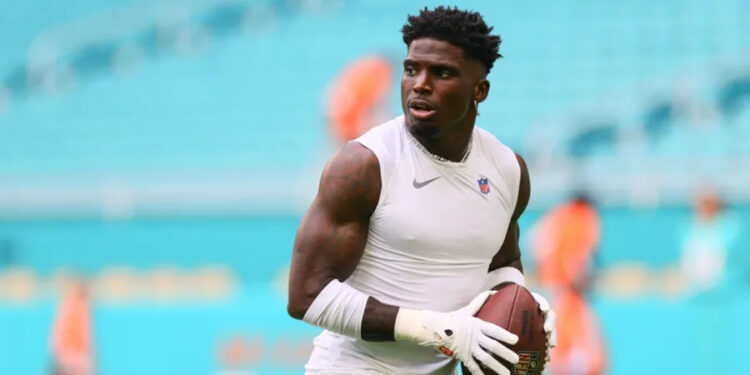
453 148
452 144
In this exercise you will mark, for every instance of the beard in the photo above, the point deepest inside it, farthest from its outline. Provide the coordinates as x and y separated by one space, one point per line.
424 131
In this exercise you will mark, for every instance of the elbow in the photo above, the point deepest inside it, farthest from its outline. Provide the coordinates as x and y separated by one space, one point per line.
299 301
301 298
297 304
295 308
302 293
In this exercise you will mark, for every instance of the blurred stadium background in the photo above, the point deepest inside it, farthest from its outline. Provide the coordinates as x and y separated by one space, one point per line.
163 152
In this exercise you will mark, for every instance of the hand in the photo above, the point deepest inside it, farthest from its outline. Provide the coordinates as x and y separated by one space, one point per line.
549 325
459 334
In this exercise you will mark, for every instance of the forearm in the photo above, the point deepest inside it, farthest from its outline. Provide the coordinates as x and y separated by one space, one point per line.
379 319
343 309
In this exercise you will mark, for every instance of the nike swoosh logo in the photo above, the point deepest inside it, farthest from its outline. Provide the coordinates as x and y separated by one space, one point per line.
419 185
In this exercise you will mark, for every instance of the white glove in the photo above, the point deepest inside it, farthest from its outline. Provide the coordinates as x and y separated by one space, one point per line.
459 334
549 325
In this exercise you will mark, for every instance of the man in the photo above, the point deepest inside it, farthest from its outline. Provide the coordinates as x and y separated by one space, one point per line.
72 349
413 219
565 241
358 96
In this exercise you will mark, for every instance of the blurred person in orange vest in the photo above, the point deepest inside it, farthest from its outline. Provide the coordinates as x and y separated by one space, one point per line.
358 96
565 241
71 333
581 349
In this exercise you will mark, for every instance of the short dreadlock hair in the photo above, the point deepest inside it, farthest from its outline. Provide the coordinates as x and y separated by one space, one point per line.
458 27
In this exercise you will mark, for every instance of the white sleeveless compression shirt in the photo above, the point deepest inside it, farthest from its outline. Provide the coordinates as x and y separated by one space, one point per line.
434 231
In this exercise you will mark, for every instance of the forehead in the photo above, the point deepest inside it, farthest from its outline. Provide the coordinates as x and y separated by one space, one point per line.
428 50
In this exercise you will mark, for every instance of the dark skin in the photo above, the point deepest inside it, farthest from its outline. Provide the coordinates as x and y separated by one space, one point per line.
439 73
333 233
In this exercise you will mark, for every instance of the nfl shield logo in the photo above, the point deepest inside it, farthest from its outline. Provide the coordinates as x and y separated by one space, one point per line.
527 363
484 186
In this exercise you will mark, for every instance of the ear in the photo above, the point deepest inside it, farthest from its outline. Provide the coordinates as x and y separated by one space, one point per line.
481 90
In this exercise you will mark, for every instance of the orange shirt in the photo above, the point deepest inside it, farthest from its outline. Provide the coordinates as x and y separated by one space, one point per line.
71 335
567 238
356 91
580 345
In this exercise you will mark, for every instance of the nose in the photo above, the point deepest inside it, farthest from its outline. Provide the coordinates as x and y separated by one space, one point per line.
423 83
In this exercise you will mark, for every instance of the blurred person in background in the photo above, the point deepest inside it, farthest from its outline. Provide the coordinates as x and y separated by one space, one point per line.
358 97
71 336
416 221
707 244
564 242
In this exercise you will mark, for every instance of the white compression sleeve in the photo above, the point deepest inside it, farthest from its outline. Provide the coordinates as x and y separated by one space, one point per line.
338 308
502 275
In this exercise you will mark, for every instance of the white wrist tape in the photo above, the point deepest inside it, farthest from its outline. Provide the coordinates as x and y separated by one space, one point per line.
338 308
409 326
502 275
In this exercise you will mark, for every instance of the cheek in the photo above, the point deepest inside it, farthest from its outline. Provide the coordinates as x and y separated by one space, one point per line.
458 99
406 83
405 87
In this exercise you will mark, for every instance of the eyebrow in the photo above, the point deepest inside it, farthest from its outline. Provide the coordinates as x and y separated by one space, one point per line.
433 66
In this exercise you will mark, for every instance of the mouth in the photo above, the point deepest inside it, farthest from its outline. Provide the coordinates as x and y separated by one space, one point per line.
421 109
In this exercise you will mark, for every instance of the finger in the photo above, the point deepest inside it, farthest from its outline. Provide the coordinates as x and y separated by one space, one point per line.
552 339
478 301
490 362
549 321
543 304
498 333
549 328
498 349
473 367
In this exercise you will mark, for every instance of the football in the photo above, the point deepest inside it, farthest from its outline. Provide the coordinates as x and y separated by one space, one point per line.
515 309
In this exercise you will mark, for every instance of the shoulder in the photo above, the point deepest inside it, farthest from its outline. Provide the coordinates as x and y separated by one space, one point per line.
384 138
390 126
386 141
493 145
510 164
351 181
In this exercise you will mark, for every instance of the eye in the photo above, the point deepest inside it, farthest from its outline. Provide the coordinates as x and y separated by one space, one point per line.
443 73
410 70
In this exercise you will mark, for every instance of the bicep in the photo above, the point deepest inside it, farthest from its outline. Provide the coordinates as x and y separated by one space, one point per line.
327 247
333 233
